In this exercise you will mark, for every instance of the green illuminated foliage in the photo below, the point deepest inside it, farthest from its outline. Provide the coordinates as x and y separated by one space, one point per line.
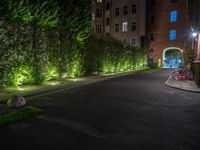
113 56
76 63
19 11
45 40
52 73
21 75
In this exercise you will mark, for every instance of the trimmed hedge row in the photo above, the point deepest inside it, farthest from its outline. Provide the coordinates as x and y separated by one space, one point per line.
34 55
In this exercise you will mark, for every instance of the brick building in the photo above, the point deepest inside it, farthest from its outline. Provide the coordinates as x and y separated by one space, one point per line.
162 24
194 18
124 20
168 30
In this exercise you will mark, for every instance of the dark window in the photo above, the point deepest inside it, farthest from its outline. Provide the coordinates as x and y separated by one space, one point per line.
133 26
125 10
134 9
124 41
151 36
173 1
152 19
98 13
116 27
133 41
107 6
98 28
107 21
116 11
153 2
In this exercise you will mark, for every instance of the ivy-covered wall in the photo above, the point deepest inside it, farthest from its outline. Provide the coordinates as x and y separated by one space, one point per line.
38 44
49 59
108 55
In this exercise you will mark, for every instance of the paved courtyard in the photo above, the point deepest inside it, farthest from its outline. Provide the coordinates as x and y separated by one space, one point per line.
135 112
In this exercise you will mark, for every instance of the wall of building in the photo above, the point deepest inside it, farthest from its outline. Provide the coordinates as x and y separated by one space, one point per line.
161 26
130 36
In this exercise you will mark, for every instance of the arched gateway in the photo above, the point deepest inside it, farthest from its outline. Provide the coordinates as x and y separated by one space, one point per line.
172 57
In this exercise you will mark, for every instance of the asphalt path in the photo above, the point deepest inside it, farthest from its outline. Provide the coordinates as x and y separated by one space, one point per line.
135 112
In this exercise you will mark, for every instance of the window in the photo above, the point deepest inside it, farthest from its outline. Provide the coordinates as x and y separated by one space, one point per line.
172 35
116 11
134 9
173 1
151 36
173 16
153 2
133 26
98 28
98 13
133 41
124 41
152 19
116 27
99 1
107 6
107 21
125 26
125 10
93 16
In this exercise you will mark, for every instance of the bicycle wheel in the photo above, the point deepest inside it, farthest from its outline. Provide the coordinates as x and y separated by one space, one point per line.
190 76
175 75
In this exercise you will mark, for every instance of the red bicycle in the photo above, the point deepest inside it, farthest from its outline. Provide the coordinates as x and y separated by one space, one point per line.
182 74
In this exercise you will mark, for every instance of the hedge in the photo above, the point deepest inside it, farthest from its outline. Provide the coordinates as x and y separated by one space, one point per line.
33 56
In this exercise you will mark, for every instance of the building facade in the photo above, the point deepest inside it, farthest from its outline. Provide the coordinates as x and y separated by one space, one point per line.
168 31
194 17
123 20
162 26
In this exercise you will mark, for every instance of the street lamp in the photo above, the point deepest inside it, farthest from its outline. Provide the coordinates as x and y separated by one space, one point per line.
194 34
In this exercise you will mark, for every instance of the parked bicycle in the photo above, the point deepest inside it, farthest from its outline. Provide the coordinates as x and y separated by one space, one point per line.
182 74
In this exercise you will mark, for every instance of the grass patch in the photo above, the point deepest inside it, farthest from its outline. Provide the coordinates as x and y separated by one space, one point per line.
151 70
18 114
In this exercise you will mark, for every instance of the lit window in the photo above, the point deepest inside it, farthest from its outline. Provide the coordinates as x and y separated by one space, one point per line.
93 16
173 16
125 26
172 35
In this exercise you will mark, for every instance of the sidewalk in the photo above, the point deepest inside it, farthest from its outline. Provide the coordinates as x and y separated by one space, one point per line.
56 86
183 85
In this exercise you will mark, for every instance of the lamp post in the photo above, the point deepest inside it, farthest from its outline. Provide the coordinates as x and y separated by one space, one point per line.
194 35
194 38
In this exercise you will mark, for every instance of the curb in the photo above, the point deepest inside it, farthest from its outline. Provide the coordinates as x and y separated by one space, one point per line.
167 83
